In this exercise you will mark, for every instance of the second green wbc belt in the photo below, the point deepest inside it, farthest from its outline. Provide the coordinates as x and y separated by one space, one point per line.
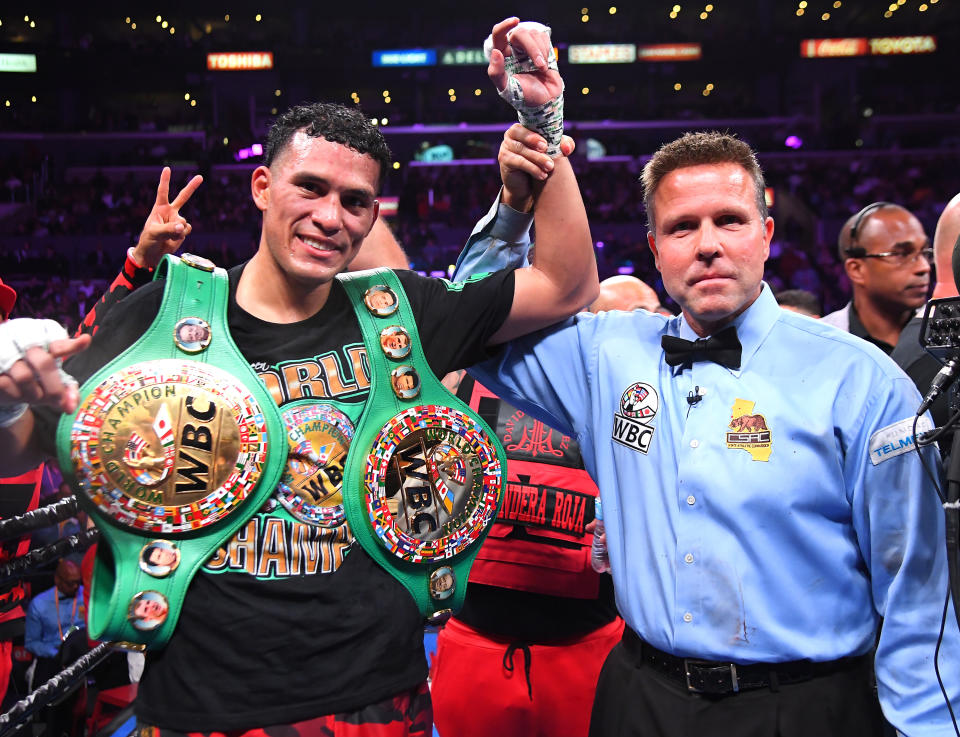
174 446
425 493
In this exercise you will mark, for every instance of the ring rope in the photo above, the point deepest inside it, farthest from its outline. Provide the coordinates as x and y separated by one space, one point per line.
57 686
53 551
42 517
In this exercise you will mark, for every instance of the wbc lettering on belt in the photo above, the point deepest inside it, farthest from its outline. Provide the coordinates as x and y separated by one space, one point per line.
168 446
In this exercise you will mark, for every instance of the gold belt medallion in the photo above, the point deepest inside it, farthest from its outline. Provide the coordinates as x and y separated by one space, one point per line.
168 446
432 483
310 489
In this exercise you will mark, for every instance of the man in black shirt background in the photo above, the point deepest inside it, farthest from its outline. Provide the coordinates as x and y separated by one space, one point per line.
887 257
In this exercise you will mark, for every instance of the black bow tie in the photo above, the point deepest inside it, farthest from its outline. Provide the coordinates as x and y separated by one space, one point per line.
722 348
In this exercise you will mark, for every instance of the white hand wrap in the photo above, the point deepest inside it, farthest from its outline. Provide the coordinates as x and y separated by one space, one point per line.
519 62
545 119
16 338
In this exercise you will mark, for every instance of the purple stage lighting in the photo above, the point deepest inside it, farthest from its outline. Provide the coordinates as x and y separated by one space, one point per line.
245 153
793 142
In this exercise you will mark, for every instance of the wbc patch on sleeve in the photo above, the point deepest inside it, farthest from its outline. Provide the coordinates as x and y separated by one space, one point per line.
896 439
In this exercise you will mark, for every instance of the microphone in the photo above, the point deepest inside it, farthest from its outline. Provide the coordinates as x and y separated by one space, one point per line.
694 396
941 382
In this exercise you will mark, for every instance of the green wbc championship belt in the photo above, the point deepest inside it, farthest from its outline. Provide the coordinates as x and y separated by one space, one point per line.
425 494
175 444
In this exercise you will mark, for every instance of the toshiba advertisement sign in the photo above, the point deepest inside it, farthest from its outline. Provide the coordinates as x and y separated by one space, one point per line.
235 61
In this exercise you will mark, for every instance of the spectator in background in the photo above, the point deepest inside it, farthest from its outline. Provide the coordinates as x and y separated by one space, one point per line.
800 301
56 634
887 258
945 240
624 292
53 615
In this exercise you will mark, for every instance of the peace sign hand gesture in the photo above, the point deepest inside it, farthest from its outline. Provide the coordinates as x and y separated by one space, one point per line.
165 228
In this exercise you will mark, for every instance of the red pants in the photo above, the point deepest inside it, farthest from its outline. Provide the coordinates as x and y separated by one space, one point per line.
405 715
481 687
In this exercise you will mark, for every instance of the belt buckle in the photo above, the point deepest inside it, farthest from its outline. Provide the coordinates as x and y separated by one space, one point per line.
731 667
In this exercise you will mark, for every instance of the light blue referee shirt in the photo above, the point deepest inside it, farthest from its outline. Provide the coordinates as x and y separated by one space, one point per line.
777 518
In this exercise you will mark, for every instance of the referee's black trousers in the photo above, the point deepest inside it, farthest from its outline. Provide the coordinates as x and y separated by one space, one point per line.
634 699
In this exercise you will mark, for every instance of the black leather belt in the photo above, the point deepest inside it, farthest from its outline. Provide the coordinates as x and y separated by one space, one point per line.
712 677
